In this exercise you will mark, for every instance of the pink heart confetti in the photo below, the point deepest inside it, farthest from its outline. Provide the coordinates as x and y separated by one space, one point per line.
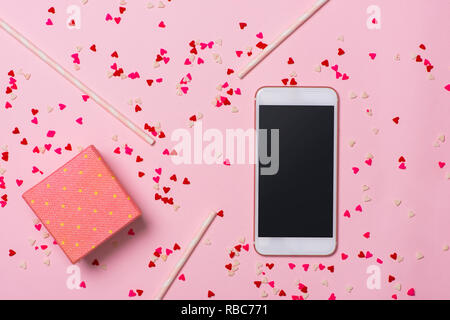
128 150
184 89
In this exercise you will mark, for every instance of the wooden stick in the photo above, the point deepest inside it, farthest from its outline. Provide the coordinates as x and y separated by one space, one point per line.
302 19
187 253
77 83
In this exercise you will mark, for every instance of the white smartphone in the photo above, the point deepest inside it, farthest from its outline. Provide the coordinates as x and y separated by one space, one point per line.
296 170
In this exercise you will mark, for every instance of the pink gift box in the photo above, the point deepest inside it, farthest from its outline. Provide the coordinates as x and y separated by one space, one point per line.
82 204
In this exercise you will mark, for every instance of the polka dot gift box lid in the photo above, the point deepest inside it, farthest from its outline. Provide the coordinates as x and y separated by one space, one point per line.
82 204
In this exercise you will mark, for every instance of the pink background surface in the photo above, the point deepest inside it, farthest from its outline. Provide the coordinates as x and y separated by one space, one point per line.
396 88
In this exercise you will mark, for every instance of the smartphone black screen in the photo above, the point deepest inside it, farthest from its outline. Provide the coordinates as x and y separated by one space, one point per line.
297 200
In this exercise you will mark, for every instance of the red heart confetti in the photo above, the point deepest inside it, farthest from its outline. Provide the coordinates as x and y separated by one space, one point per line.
242 25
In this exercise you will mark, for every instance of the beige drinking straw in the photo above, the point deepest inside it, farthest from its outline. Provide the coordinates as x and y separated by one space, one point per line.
281 38
77 83
187 253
